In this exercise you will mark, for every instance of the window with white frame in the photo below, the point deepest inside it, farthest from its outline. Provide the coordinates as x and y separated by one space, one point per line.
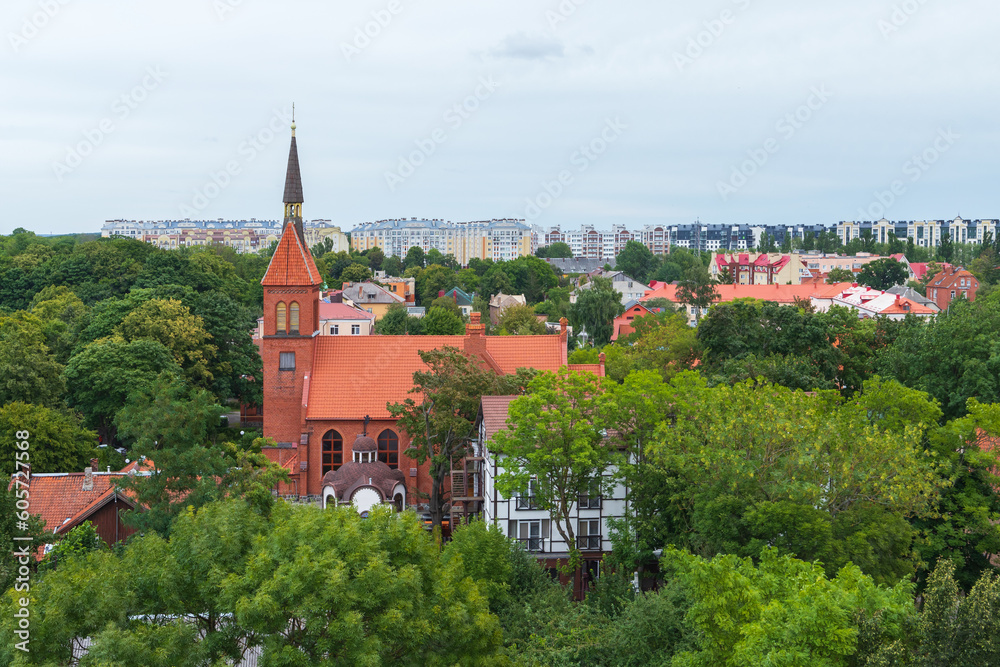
526 501
588 535
592 499
355 329
530 534
335 330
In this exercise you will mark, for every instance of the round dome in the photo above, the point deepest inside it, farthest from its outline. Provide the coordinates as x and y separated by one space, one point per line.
365 444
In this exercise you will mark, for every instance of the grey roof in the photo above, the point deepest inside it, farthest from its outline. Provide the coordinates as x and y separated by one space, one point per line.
293 178
362 293
577 265
913 295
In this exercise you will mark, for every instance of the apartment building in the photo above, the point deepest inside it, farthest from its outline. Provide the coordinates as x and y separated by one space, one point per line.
925 233
498 240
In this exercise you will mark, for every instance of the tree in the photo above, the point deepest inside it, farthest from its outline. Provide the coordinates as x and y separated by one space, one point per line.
595 310
443 322
371 591
494 282
439 425
397 321
952 357
58 443
840 275
28 370
637 261
356 273
393 266
33 528
448 303
558 250
766 244
171 323
747 327
697 290
376 257
172 429
661 342
61 311
780 611
947 247
414 258
106 372
520 321
432 281
556 437
751 466
881 274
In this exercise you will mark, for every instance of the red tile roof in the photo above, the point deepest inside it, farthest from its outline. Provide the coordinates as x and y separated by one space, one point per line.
292 263
62 502
495 409
355 376
546 353
776 293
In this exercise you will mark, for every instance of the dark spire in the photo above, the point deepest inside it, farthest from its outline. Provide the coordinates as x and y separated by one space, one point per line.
293 177
293 186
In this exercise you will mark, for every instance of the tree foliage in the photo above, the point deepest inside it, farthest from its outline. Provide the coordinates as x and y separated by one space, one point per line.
557 438
595 310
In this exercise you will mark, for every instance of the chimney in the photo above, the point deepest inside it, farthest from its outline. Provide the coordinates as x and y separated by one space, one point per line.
88 479
563 325
440 293
475 326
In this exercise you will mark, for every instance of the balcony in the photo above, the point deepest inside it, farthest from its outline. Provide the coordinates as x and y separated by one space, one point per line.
532 544
526 503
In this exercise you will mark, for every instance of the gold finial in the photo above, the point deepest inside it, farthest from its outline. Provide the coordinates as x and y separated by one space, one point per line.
293 119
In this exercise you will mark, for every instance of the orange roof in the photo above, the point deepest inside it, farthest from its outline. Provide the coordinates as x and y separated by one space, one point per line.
776 293
546 353
62 502
292 263
897 308
354 376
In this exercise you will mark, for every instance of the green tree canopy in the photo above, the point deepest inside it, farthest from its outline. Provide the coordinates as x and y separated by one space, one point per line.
596 309
637 261
443 322
28 370
557 438
58 442
520 321
840 275
881 274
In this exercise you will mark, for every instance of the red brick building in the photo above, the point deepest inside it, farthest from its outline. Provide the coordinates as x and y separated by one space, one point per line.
951 284
322 392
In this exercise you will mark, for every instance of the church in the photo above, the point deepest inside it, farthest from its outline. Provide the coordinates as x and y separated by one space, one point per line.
325 397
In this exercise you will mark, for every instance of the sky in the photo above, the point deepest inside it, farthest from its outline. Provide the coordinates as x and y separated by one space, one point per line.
561 112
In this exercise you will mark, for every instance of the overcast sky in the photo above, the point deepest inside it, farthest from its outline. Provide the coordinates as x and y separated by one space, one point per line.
647 111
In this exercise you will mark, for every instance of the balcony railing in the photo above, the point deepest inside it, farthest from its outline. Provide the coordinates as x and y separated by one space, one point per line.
526 503
589 543
589 502
532 544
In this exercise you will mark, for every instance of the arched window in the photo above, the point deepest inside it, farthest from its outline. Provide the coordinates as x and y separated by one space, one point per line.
282 318
388 448
333 451
293 318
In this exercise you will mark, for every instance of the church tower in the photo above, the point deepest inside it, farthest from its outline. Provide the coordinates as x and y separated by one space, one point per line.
291 319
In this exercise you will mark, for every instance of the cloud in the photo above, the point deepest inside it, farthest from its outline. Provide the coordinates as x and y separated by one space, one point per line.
523 46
